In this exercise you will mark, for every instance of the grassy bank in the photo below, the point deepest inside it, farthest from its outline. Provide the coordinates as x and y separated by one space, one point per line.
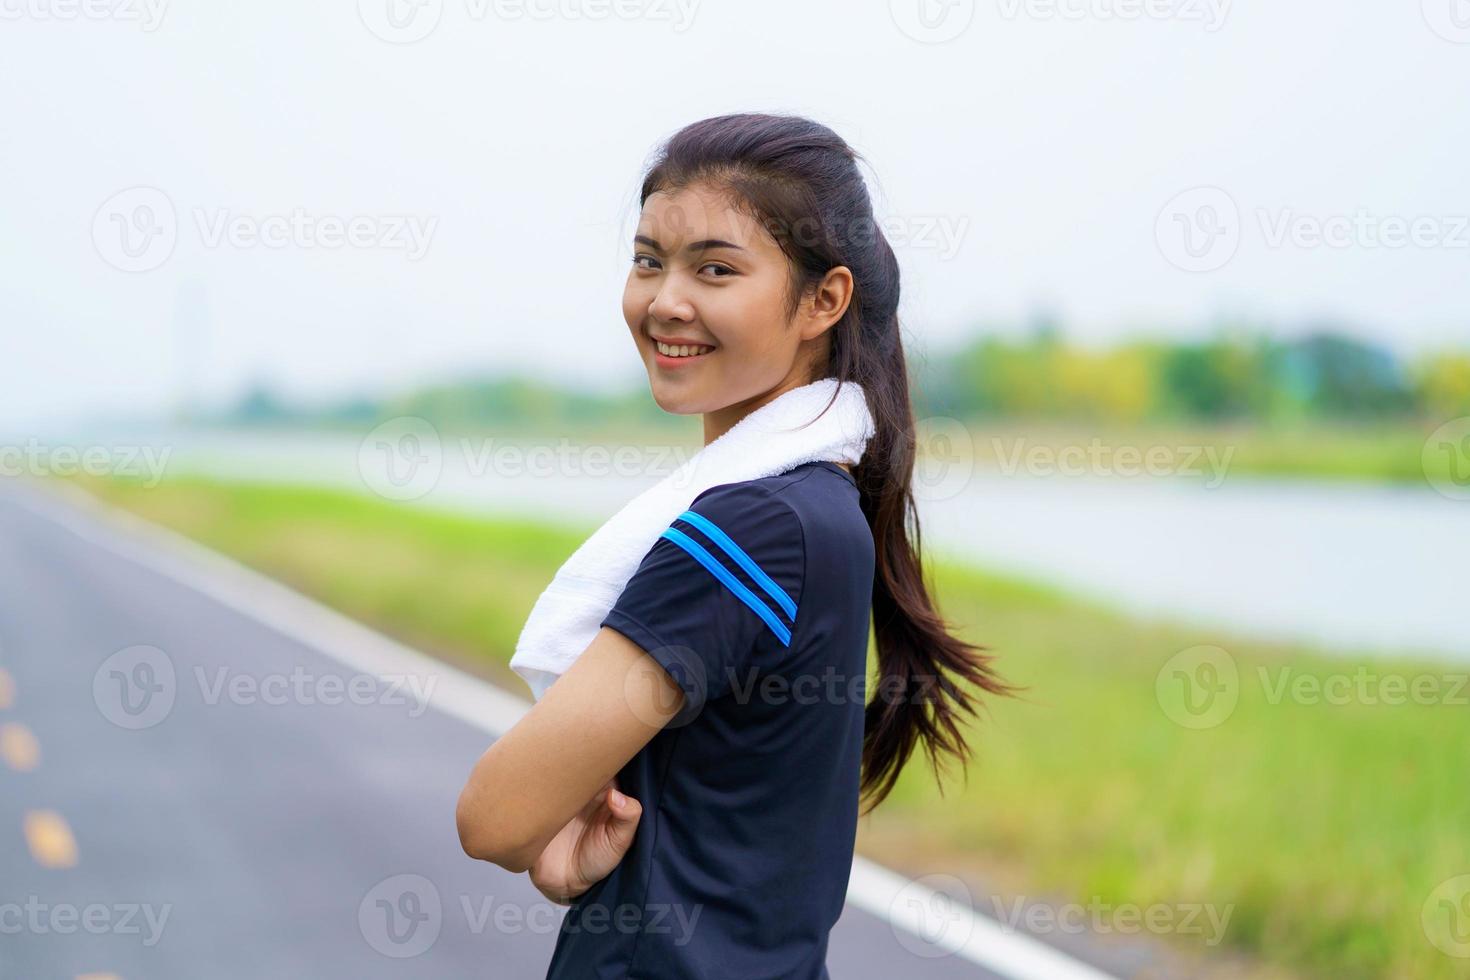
1322 827
1384 452
1378 452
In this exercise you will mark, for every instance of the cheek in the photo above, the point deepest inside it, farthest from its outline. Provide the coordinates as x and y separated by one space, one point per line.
751 320
635 304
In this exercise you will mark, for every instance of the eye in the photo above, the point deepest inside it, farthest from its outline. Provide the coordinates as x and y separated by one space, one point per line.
637 258
716 265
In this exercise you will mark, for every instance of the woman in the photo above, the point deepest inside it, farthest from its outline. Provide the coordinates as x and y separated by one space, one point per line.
690 785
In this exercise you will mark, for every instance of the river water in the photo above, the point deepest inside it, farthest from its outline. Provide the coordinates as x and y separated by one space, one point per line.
1353 567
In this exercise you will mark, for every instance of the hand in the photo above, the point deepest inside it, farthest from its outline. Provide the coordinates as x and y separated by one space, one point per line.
588 848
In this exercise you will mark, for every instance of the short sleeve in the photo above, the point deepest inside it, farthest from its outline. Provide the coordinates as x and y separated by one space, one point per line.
720 588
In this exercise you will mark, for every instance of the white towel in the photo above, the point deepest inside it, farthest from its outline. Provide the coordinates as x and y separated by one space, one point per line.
766 442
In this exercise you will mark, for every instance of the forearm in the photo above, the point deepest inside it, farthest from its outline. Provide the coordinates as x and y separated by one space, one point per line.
554 895
553 883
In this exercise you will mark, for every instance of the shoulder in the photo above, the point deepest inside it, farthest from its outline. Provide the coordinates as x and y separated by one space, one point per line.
807 516
751 519
792 509
748 501
786 497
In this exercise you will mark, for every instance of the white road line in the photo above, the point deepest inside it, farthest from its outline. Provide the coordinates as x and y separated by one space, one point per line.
872 887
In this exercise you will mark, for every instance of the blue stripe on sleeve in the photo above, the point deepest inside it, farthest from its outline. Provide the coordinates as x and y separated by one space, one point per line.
731 582
742 559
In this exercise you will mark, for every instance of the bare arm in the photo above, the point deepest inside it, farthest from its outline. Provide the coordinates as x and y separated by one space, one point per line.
588 848
541 774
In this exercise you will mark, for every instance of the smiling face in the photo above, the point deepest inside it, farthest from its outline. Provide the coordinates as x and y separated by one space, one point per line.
710 277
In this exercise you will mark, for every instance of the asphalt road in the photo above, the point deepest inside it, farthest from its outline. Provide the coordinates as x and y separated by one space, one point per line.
189 790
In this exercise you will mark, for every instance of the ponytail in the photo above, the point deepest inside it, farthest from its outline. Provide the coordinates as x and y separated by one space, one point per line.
801 180
926 675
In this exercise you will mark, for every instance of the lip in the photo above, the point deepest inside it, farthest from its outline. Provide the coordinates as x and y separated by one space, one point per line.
680 342
665 361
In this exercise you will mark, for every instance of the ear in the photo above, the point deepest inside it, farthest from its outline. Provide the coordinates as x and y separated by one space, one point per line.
826 302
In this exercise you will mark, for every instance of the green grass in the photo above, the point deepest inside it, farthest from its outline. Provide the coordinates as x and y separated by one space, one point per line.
1371 451
1323 827
1379 452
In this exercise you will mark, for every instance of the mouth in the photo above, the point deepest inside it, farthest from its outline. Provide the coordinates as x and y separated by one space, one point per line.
669 354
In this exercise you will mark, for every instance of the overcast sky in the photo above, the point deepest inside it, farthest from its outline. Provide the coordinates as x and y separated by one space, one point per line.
1029 155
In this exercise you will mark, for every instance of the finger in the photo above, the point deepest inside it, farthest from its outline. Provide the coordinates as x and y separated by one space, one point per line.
623 807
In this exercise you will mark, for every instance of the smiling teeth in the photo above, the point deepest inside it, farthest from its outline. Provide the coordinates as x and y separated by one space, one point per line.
682 351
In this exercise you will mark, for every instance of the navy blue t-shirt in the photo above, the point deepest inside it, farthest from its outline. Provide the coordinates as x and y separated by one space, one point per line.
757 601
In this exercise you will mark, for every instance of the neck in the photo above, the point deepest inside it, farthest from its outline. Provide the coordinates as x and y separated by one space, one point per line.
719 422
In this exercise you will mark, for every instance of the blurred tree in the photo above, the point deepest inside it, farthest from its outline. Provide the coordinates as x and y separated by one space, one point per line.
1349 378
1442 384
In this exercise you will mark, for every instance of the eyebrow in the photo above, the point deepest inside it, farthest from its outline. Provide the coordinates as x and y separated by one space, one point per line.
699 246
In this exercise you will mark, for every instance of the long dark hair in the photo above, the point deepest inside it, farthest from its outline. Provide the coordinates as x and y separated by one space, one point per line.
800 180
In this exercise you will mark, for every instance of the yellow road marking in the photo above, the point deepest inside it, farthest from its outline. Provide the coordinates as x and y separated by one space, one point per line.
18 747
50 839
7 689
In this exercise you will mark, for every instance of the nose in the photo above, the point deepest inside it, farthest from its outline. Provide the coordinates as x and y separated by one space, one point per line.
669 305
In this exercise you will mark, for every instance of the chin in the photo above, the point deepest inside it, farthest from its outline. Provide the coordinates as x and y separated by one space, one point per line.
674 401
675 404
